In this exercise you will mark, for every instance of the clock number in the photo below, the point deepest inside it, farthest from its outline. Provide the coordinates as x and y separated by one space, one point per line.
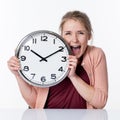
44 38
23 58
34 41
54 40
64 59
53 76
33 75
60 69
43 79
26 68
27 48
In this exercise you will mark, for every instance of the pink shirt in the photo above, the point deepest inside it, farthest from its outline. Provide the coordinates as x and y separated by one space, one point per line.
94 63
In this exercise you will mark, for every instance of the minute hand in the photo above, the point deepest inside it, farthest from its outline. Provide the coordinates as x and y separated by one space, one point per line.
52 53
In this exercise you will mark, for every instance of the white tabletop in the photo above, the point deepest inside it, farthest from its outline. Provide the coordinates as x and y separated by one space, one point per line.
58 114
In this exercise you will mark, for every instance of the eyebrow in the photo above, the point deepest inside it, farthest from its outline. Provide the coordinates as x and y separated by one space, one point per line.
81 31
77 31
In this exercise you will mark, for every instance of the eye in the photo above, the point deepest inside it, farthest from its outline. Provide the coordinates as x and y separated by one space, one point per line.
80 32
67 33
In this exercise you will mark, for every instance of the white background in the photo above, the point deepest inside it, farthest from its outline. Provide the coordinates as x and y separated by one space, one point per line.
20 17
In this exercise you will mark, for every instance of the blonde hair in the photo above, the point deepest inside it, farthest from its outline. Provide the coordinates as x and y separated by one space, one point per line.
81 17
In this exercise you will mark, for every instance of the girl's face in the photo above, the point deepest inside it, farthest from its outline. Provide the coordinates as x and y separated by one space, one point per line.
76 36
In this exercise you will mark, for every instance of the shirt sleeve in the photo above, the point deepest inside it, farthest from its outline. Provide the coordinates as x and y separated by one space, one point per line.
100 80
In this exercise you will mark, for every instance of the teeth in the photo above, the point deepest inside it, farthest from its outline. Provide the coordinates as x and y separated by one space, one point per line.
75 47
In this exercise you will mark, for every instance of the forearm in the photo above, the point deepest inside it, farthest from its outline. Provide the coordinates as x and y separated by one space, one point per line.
94 96
85 90
27 91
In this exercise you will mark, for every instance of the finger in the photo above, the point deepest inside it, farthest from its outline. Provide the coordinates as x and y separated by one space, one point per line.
72 64
14 58
71 67
12 68
72 58
13 62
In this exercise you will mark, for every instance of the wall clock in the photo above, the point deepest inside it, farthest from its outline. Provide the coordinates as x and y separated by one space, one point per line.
43 57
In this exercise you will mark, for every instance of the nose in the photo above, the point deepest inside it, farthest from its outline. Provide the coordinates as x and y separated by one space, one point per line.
75 38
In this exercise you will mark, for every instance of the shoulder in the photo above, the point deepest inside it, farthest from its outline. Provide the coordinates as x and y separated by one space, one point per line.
95 51
94 54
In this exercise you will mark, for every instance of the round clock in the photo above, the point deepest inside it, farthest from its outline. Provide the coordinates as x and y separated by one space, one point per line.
43 58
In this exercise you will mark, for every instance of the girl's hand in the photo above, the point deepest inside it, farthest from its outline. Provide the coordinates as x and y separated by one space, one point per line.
73 61
14 65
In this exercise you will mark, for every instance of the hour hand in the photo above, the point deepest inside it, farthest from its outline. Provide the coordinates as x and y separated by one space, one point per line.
42 58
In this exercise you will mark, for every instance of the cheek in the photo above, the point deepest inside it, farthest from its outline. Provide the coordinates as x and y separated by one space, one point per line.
84 44
66 39
83 41
83 47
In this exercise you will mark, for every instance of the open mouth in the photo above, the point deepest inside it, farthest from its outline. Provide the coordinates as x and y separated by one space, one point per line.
75 49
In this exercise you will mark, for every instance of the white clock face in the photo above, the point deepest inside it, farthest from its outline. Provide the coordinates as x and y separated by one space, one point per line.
43 57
